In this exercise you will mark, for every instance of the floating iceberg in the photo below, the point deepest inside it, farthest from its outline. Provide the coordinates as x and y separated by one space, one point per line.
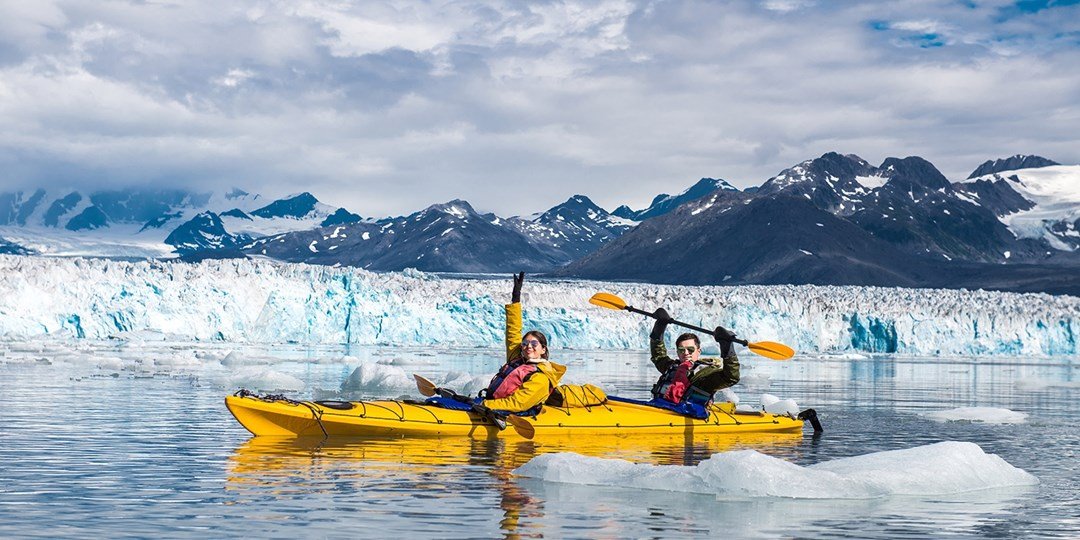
988 415
932 470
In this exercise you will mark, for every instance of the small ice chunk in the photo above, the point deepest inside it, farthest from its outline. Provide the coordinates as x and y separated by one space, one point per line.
775 405
727 395
371 377
989 415
237 358
264 380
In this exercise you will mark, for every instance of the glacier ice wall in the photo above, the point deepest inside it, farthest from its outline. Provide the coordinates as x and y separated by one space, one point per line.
270 302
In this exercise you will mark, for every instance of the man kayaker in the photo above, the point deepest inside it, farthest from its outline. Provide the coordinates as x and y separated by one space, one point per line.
528 376
691 378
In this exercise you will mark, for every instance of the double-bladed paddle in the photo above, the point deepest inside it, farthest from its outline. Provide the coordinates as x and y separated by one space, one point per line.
768 349
522 426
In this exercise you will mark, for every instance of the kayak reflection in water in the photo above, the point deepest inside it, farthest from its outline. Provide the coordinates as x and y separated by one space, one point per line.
528 377
691 378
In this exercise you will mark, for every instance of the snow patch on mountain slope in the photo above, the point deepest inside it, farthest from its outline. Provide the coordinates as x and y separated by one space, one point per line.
1055 191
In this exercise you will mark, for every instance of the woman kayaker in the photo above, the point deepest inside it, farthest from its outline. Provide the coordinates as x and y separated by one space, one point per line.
528 377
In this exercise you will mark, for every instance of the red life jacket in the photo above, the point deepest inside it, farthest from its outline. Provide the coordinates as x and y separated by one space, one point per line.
680 381
509 378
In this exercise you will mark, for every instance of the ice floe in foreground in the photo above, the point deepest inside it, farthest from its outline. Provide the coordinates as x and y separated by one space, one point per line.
988 415
932 470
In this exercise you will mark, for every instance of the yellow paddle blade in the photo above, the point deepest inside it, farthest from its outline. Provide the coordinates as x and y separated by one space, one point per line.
607 300
426 387
522 426
771 349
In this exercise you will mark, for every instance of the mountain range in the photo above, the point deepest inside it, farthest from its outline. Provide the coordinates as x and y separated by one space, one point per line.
1013 224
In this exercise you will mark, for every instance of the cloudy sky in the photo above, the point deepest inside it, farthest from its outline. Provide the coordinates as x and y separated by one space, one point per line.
387 107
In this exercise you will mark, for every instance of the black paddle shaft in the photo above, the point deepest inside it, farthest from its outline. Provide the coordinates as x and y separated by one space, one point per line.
632 309
481 410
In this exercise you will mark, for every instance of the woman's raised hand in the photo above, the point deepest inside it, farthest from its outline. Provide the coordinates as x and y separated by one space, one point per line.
519 279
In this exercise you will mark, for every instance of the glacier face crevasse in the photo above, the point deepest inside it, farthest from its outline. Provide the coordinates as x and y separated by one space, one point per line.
269 302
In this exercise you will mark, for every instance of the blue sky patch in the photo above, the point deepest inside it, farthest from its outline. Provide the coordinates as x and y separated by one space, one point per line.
1032 6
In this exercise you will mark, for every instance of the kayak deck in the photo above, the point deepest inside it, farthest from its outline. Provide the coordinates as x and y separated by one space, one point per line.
275 416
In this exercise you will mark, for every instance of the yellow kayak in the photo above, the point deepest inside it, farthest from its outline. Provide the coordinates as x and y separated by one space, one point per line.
281 417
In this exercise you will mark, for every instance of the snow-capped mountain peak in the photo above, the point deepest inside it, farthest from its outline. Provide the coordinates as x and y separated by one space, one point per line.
299 206
664 203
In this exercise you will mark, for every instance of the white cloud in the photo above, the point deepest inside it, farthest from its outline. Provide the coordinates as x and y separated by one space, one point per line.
785 6
386 107
235 77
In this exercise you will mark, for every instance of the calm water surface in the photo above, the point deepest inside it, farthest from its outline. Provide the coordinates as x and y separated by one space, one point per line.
96 446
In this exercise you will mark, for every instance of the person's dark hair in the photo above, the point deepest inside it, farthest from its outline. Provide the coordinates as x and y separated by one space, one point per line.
539 337
686 336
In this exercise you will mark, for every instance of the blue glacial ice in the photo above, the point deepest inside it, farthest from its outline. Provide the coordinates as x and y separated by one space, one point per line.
250 301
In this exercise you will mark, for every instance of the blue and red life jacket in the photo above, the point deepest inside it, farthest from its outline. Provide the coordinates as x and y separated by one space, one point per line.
508 379
674 385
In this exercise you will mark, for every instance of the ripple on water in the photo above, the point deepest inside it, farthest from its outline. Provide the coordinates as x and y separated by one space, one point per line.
86 455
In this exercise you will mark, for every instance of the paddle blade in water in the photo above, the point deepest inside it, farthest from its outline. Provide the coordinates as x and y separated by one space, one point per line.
607 300
771 349
522 426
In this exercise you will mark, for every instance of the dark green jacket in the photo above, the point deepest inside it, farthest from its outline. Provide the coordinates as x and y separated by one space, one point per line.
709 374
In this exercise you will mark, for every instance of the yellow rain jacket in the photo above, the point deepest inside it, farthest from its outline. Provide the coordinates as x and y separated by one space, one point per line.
539 385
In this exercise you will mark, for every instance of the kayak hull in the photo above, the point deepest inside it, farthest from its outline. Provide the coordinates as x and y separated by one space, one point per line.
403 419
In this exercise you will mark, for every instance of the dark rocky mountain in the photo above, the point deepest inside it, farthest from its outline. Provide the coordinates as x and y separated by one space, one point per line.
341 216
61 207
1011 164
206 232
571 229
143 205
838 220
16 207
665 203
1040 204
918 211
90 218
832 182
11 248
906 202
737 239
788 240
134 205
835 219
296 207
161 220
236 213
203 233
449 237
995 194
454 237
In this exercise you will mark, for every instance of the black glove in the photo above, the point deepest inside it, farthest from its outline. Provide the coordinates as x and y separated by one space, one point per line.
662 320
724 337
515 296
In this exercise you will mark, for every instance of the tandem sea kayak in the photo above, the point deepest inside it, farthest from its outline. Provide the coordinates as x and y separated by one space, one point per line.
278 416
